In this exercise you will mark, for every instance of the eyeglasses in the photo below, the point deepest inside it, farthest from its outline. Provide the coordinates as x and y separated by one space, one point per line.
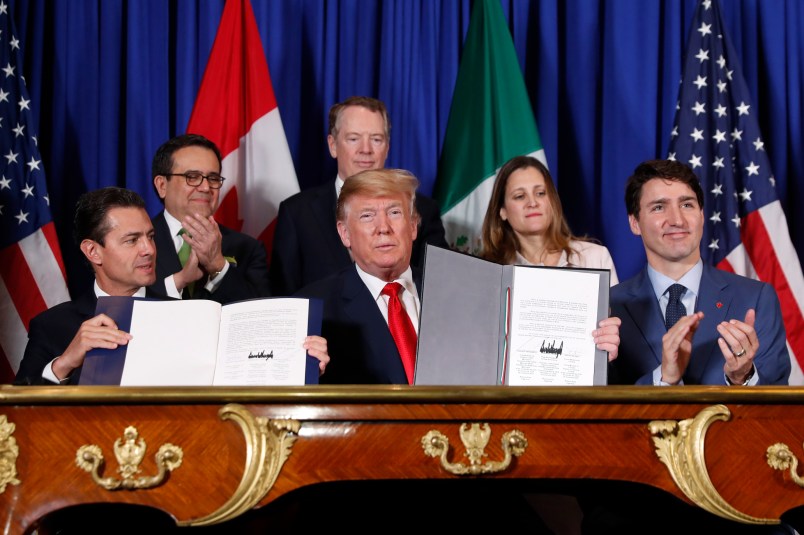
194 178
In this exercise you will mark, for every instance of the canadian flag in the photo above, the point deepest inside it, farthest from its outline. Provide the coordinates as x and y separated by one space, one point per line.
236 108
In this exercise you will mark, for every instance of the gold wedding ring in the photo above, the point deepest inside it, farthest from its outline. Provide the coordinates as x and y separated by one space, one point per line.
741 353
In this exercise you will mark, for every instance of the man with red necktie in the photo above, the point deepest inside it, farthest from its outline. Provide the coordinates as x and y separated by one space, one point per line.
371 308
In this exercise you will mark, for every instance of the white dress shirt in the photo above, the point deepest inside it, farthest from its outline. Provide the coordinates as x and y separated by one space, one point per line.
174 226
409 296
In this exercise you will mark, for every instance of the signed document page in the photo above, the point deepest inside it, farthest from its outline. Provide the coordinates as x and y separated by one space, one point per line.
197 342
173 344
552 315
262 345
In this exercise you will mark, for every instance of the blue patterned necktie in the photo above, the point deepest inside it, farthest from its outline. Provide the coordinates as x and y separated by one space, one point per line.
675 308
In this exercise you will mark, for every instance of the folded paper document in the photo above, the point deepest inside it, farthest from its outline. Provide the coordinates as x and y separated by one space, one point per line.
198 342
483 323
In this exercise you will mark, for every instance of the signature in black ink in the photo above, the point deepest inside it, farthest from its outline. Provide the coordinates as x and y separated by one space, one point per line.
261 355
551 348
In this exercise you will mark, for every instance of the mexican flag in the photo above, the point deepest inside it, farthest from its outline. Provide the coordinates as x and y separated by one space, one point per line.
490 121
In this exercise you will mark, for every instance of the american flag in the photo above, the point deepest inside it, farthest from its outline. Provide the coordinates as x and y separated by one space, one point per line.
717 133
32 276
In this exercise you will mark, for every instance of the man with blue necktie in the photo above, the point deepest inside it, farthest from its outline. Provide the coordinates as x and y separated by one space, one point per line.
684 322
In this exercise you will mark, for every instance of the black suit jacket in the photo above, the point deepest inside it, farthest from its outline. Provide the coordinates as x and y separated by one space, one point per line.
52 331
360 346
245 280
307 247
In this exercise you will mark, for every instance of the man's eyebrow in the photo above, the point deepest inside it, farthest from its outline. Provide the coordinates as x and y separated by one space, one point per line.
133 234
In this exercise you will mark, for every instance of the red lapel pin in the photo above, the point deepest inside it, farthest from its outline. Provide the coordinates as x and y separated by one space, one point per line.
719 304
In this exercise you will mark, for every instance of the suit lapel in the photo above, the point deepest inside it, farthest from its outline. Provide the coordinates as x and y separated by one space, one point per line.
646 315
382 353
167 260
85 304
324 203
714 301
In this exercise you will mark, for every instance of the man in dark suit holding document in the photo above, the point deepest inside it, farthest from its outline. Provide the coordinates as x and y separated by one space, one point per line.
377 221
116 236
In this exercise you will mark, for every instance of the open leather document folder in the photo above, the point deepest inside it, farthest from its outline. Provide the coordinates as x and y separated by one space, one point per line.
257 342
482 323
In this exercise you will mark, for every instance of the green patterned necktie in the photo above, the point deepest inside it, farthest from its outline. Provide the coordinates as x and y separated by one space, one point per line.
184 255
184 250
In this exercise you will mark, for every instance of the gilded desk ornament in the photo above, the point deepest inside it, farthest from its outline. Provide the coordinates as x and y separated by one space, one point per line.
129 453
781 457
475 438
268 445
9 451
680 446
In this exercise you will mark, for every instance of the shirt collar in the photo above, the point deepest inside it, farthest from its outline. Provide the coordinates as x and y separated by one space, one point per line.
101 293
174 225
375 285
338 186
691 280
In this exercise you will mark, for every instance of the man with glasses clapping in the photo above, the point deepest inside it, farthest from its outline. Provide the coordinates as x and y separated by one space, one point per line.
196 257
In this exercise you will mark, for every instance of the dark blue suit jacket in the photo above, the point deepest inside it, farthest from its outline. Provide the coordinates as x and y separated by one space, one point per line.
52 331
359 343
307 247
245 280
723 296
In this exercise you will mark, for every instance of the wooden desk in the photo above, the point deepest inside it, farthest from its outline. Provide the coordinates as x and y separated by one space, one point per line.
246 447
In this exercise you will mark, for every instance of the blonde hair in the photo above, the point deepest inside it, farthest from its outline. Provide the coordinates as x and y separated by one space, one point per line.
378 183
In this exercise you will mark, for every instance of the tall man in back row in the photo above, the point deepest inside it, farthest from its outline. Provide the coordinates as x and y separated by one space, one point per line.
198 258
685 322
306 245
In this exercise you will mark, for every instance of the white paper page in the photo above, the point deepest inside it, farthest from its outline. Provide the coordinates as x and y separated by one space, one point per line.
261 343
553 314
174 343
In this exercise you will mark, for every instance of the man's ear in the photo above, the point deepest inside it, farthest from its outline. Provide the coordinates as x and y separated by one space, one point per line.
93 251
343 232
160 184
333 151
414 221
633 222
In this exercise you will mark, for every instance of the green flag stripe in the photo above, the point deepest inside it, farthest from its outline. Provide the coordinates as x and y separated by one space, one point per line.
464 220
491 119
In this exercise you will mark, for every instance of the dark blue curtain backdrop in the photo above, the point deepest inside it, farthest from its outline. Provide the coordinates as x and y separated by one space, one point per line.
112 79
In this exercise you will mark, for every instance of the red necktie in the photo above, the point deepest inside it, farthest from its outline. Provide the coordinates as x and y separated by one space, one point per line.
401 328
